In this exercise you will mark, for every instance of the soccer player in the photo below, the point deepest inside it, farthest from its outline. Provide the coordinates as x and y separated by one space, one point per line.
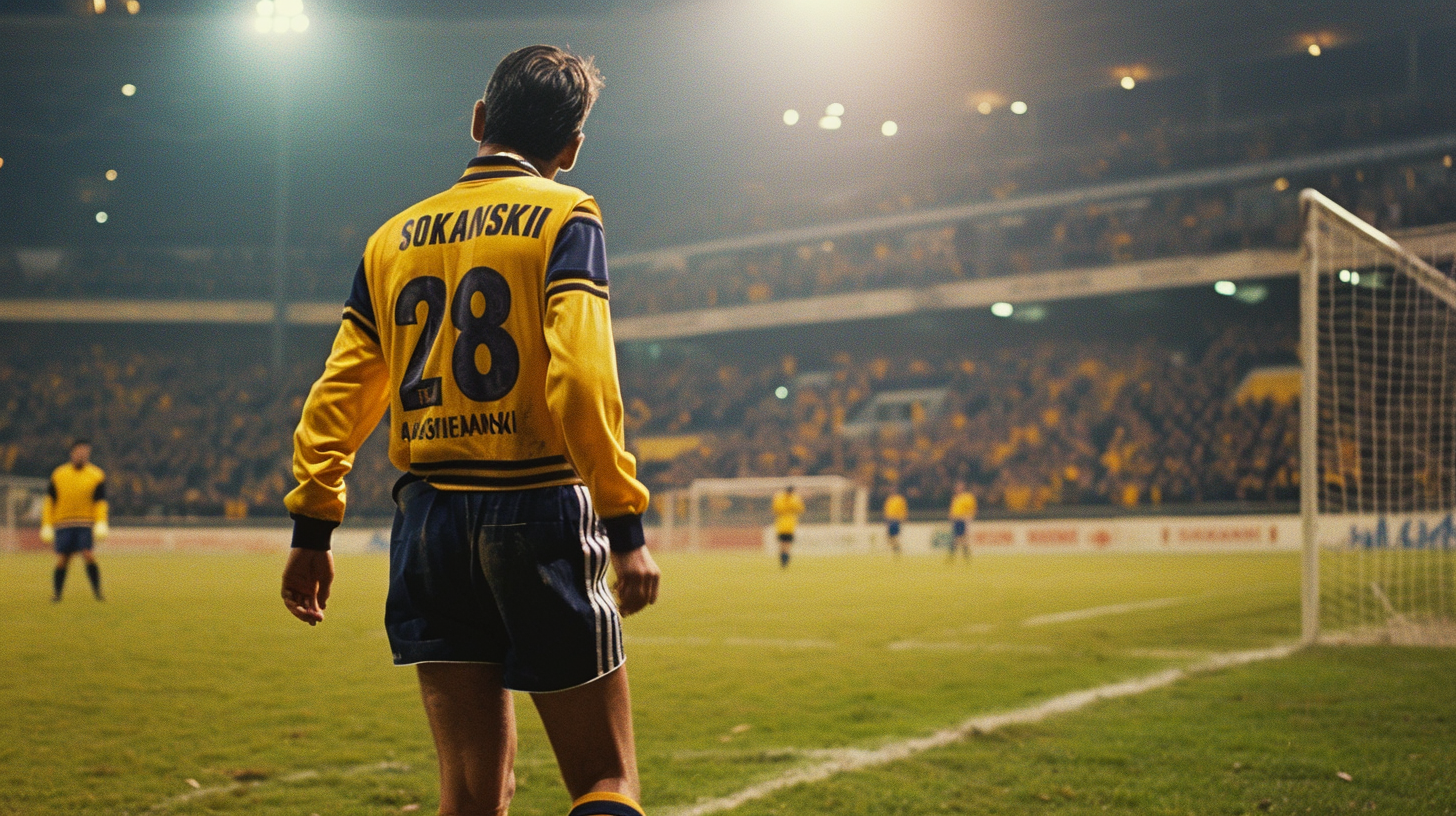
73 516
896 511
787 507
962 513
479 318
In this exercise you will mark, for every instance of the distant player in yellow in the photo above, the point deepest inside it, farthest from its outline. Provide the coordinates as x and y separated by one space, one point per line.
787 507
479 319
73 517
962 513
896 511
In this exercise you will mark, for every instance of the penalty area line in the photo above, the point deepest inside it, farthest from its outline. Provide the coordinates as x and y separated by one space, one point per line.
853 759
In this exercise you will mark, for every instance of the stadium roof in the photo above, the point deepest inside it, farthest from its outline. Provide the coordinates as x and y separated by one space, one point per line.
690 120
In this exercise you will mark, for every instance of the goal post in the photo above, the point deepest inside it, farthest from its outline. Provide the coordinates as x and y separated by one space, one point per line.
20 502
1377 433
733 512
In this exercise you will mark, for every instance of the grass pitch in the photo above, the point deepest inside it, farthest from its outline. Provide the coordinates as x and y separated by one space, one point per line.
192 691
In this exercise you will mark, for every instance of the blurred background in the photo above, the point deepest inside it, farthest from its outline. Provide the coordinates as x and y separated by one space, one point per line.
1047 247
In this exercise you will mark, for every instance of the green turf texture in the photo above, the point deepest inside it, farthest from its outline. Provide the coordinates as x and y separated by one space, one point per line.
192 670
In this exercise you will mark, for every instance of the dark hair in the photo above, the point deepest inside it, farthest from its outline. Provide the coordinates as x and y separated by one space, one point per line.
538 98
79 441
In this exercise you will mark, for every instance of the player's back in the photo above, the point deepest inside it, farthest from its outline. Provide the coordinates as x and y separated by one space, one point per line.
459 290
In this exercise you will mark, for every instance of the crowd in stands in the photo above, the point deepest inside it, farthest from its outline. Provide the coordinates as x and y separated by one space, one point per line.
1193 221
181 431
198 431
1030 426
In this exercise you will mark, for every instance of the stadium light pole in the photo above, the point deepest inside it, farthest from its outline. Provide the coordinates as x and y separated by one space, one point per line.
283 19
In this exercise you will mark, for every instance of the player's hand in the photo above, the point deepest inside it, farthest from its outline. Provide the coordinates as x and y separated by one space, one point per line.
306 581
637 579
100 530
47 534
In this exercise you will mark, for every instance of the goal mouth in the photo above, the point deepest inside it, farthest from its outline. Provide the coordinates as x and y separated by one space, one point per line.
1440 632
1377 433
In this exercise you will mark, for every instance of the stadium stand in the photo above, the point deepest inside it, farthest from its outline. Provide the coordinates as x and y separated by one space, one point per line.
189 423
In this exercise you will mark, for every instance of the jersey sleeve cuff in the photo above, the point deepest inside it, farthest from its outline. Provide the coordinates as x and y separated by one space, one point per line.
312 533
624 533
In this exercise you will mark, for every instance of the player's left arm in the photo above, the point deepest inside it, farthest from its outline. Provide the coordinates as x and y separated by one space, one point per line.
100 511
585 399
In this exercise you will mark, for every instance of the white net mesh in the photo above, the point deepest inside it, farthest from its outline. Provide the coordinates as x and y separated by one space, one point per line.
1380 322
715 513
20 507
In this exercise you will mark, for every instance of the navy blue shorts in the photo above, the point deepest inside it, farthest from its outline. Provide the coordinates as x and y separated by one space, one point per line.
516 578
958 528
71 540
894 528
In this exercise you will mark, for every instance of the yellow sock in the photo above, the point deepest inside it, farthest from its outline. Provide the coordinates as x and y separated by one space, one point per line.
605 803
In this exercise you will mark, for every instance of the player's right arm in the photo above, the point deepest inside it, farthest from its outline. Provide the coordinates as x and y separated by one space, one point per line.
48 514
342 409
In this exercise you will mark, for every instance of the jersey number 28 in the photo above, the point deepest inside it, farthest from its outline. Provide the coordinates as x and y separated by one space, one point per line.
417 391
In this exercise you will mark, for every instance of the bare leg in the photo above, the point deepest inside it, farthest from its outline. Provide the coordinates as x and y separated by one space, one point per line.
590 728
474 723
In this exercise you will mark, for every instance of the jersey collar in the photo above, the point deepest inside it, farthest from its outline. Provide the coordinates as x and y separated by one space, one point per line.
498 165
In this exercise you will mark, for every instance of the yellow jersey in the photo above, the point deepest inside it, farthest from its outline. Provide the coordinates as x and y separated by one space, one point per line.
896 509
479 319
963 506
76 497
787 508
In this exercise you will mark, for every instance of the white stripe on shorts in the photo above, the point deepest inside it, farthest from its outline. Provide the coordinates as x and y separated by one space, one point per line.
608 635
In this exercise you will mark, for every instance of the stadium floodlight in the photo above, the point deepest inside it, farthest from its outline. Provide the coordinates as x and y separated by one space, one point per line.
985 108
133 6
791 117
1314 50
101 217
1128 83
2 162
111 175
830 122
1226 288
99 6
1002 309
280 17
781 392
834 109
889 128
1018 107
128 89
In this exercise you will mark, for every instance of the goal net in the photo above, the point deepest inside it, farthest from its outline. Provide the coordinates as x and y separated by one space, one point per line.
1378 433
20 507
721 513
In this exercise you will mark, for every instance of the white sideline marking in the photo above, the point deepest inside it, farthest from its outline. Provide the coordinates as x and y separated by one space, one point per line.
957 646
1099 611
853 759
298 776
